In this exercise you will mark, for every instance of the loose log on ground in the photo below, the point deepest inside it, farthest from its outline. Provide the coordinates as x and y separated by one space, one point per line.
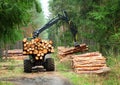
100 71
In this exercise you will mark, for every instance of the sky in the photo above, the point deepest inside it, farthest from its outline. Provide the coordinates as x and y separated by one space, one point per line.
45 7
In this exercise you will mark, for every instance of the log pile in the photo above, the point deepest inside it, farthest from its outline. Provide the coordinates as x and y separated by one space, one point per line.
88 63
92 62
63 51
14 52
15 57
37 47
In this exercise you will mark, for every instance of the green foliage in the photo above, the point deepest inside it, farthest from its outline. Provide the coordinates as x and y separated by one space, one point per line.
97 20
104 17
13 15
59 36
37 6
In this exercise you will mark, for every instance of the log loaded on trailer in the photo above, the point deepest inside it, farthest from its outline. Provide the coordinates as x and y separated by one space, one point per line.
39 50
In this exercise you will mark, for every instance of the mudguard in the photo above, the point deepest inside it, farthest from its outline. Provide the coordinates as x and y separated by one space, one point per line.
47 56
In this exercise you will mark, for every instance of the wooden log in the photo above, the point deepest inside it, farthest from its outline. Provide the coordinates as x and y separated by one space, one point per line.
76 49
37 58
66 51
88 68
30 52
37 40
88 59
50 42
91 54
35 52
41 57
32 46
24 52
100 71
25 45
45 51
25 40
38 54
42 54
88 65
52 50
89 62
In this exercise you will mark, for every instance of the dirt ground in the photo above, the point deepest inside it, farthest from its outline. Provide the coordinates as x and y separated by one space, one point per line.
43 80
39 78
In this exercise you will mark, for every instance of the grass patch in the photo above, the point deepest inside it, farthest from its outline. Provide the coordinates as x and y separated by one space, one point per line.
64 66
77 79
11 68
5 83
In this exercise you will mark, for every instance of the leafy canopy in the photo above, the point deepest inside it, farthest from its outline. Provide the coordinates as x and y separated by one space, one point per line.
13 15
97 21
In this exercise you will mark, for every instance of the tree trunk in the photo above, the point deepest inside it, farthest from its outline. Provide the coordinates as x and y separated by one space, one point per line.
6 51
1 52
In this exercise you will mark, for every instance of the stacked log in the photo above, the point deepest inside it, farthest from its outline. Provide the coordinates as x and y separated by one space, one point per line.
92 62
14 52
16 57
63 51
37 47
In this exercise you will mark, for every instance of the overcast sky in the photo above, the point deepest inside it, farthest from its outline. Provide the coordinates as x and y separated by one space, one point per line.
45 8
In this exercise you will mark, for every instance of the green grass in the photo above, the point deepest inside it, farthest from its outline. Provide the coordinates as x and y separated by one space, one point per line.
5 83
11 68
76 79
64 66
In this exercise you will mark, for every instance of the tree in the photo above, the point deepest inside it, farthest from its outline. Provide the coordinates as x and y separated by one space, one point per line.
106 24
97 21
61 32
13 15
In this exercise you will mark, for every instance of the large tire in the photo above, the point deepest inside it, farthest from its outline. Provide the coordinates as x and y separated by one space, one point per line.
27 66
49 64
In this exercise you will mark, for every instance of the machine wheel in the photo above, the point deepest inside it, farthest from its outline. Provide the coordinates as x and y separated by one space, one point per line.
27 66
49 64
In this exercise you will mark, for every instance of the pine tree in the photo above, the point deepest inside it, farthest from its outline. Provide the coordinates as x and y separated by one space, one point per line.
97 21
13 15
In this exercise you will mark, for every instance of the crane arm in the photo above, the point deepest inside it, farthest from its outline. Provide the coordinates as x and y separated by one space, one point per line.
63 17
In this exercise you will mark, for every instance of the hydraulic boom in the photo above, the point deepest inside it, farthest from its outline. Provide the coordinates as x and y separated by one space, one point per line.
53 21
